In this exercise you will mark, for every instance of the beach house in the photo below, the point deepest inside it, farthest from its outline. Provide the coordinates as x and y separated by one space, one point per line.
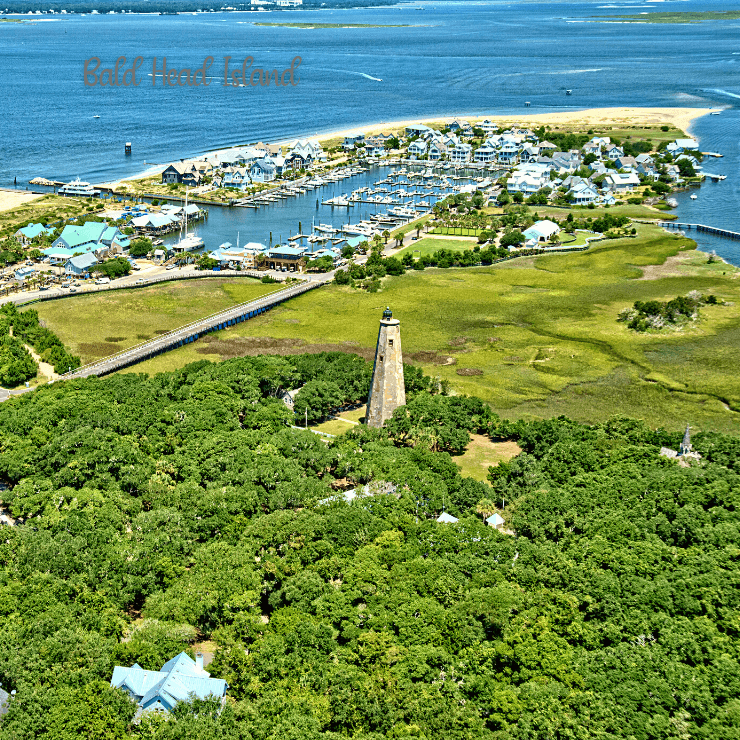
437 151
417 149
461 153
485 153
621 182
182 173
351 140
262 171
582 193
236 177
679 146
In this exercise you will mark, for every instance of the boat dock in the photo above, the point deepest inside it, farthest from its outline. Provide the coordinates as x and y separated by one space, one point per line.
702 228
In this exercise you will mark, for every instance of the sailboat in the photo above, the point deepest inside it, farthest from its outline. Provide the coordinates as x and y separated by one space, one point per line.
187 243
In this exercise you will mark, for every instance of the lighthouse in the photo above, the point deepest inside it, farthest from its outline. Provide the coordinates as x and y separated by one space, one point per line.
387 391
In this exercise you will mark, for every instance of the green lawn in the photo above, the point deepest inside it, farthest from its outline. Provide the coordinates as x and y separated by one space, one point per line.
98 325
428 245
535 336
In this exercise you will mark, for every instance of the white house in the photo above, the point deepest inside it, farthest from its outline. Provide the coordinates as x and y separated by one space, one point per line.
541 231
437 150
485 153
621 182
461 153
417 149
445 518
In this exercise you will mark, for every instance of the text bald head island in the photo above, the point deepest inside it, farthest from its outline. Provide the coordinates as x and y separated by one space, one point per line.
123 74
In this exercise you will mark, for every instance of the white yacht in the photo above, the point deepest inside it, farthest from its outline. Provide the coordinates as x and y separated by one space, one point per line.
188 242
79 189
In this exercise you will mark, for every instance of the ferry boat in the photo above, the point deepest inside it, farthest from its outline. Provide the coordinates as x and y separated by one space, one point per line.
79 189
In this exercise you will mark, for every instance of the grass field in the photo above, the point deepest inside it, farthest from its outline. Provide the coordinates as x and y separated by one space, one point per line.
429 246
481 453
98 325
535 337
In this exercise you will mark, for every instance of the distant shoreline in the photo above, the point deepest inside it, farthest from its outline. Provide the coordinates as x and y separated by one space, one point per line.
681 118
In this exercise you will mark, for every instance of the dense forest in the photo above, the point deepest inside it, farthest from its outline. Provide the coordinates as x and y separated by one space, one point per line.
154 514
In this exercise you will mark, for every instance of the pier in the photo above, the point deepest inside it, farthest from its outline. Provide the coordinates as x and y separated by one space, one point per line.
702 228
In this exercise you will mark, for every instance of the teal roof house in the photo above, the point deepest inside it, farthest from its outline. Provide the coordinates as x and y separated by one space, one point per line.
180 679
30 232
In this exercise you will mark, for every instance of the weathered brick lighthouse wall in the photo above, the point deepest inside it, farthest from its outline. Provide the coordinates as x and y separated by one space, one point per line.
387 388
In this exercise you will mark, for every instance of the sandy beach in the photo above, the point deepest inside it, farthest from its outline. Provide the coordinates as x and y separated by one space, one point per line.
681 118
10 199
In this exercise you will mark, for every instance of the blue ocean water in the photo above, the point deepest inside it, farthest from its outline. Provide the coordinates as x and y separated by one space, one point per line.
451 57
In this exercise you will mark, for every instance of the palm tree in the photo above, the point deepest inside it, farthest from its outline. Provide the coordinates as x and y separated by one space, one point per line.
485 507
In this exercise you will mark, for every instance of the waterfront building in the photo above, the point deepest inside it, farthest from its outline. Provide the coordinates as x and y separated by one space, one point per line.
182 173
461 153
351 139
437 150
417 149
262 171
485 153
88 237
287 259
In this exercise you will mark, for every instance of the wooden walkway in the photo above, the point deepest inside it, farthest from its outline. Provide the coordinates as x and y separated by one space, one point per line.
190 332
701 228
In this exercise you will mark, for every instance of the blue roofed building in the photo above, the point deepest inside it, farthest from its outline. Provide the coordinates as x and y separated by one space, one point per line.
179 679
81 264
77 237
28 233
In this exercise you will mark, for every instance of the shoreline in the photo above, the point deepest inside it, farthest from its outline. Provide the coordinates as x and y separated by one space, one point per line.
681 118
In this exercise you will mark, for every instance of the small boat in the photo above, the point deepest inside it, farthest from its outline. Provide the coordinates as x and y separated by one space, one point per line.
715 113
693 196
568 92
96 116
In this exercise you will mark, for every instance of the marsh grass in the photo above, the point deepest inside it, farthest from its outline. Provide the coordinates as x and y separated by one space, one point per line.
543 332
98 325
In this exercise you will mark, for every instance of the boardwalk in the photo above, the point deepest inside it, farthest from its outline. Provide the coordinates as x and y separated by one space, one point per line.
191 332
701 228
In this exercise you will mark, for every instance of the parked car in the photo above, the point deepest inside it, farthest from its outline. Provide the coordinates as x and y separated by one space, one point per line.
171 267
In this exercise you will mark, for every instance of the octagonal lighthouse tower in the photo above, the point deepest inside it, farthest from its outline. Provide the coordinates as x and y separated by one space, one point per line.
387 391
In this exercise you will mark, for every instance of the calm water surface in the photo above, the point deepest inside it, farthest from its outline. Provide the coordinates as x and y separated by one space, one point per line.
454 57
